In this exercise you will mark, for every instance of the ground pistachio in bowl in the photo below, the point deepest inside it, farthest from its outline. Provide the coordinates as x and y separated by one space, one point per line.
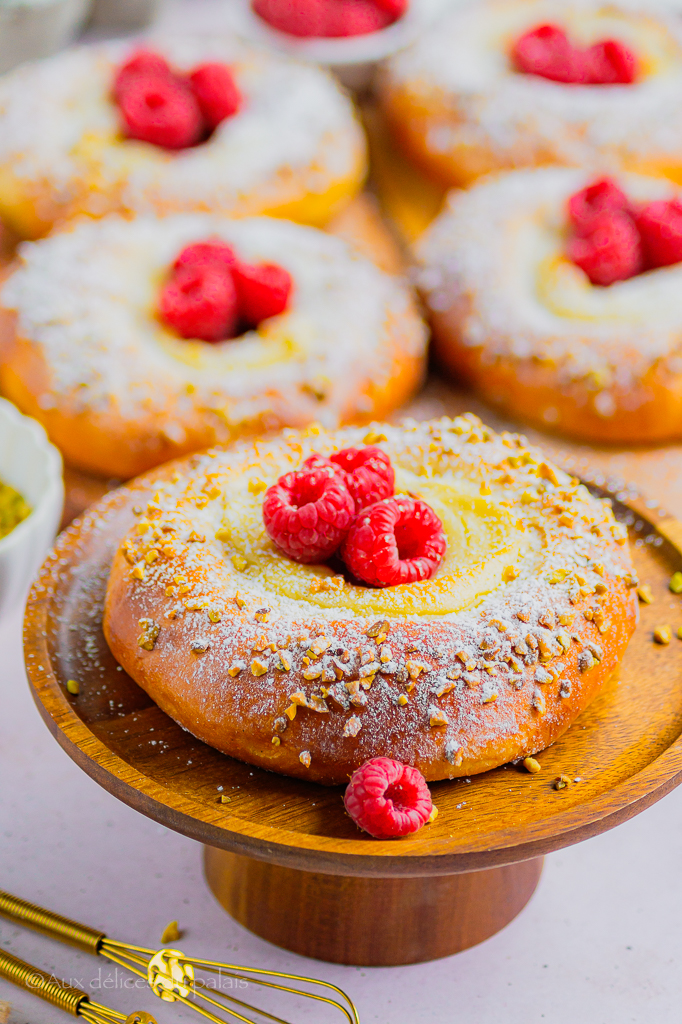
13 509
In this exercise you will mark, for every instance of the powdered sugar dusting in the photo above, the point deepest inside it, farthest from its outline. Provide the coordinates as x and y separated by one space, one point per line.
462 67
498 249
59 130
86 299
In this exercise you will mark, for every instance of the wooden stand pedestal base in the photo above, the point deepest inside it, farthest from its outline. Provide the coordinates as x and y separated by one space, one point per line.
369 922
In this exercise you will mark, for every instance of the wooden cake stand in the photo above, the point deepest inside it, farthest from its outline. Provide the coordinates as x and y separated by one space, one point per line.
282 856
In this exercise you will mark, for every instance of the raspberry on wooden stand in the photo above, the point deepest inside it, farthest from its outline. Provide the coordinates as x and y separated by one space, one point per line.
388 799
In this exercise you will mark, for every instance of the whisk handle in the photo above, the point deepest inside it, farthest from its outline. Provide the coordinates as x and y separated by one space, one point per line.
54 925
40 984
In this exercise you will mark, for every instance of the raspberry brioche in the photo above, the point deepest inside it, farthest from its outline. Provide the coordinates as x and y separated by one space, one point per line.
102 352
198 124
567 324
301 669
501 84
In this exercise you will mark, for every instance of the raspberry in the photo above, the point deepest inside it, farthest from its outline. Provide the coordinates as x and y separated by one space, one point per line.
612 252
161 111
307 513
660 228
329 18
356 18
295 17
200 302
586 207
369 474
202 254
388 799
216 92
610 63
143 63
395 541
264 290
396 8
547 51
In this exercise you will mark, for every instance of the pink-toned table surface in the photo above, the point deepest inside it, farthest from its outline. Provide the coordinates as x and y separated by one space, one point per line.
599 943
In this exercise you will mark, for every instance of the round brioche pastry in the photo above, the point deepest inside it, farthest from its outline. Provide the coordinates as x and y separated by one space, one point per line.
301 669
277 137
502 84
514 316
121 385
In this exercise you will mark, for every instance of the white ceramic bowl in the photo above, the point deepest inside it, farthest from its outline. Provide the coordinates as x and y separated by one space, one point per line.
123 14
30 29
30 464
353 59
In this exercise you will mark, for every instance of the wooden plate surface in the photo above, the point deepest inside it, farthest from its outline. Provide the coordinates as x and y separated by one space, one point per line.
626 749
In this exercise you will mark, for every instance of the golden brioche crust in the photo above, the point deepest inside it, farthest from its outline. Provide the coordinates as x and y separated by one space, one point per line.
460 110
514 318
101 433
295 669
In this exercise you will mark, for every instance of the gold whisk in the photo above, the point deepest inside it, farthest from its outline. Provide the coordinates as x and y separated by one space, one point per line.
67 997
171 975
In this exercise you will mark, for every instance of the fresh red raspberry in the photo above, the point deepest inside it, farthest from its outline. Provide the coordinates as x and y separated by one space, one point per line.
395 541
200 302
329 18
660 228
264 290
369 474
202 254
307 513
547 51
612 252
356 18
611 63
301 18
142 64
162 111
587 206
216 92
388 799
396 8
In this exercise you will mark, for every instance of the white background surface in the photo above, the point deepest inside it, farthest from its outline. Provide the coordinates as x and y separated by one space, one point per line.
600 942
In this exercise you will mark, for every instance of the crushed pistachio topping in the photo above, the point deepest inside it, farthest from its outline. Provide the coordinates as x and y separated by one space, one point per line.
663 634
149 634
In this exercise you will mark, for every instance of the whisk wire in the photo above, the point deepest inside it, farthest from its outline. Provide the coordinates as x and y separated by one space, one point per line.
170 974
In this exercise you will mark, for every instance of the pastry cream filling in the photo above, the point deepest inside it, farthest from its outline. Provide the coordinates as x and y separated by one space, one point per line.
650 299
485 540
